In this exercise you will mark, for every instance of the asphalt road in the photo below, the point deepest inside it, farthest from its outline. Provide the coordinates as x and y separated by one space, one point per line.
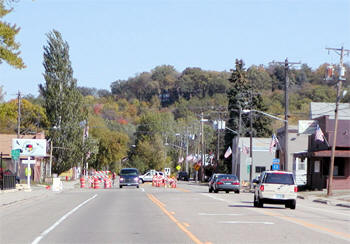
187 214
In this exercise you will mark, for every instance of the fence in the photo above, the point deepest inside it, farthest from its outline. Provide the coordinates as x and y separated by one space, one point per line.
8 179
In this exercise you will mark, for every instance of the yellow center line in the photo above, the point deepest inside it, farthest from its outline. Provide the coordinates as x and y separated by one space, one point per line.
307 224
182 189
183 228
186 224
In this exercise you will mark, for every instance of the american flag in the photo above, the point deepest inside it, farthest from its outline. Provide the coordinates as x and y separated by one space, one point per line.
273 143
246 150
319 134
228 152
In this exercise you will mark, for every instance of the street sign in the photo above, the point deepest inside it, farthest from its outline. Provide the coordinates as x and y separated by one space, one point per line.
276 160
28 161
15 154
178 167
275 167
196 167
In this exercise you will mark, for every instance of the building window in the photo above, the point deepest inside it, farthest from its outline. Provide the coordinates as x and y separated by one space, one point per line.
339 167
259 169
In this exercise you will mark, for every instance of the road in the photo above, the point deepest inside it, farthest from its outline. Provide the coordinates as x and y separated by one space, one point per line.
187 214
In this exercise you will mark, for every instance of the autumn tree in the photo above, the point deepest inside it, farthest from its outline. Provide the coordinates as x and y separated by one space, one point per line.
9 48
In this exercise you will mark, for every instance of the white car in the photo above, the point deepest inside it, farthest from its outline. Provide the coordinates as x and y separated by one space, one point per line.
276 187
148 176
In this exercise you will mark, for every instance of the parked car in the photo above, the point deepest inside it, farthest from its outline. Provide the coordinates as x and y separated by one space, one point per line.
129 177
148 176
211 182
276 187
225 182
182 175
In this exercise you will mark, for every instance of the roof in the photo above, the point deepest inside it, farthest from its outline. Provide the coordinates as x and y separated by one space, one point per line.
321 109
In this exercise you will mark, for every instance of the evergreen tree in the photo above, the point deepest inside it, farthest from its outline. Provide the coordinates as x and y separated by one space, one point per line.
63 104
9 48
242 96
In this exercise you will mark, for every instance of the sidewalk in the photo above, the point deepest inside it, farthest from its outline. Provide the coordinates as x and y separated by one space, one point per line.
21 194
340 198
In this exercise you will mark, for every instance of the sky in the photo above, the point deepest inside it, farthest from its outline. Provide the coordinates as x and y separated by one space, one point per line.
113 40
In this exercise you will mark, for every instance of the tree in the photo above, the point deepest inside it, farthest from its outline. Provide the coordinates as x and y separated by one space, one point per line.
63 104
243 96
9 48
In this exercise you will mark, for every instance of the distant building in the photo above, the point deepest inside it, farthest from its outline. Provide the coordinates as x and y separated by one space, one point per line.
262 157
296 143
318 155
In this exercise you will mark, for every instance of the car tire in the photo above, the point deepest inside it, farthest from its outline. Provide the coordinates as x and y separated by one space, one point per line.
141 181
137 186
216 191
255 202
292 204
120 186
260 203
210 190
227 191
237 192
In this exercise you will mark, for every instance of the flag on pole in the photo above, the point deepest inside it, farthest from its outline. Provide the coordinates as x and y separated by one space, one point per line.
319 134
228 152
273 143
246 150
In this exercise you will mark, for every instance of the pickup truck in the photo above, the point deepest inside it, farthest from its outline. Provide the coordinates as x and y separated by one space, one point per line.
148 176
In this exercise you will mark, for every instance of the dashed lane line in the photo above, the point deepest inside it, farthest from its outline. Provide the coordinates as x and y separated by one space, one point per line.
181 226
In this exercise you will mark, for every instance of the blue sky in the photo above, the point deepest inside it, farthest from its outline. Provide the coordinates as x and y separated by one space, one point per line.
116 39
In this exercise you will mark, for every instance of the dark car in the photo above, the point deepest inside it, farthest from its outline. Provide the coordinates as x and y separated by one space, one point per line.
129 177
182 176
225 182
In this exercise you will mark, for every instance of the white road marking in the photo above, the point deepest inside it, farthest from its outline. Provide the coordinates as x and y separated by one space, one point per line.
324 210
142 189
245 222
216 198
218 214
37 240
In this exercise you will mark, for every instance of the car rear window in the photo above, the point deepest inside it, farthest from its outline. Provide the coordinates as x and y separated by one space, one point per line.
272 178
129 172
227 177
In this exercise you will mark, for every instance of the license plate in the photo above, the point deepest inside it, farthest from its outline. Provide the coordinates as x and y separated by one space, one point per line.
279 196
227 183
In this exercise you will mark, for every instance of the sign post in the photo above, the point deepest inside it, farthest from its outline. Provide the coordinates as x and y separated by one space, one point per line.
28 169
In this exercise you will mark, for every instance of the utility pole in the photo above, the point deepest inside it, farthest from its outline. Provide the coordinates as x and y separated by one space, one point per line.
19 114
235 166
286 109
251 140
202 147
218 143
340 52
186 160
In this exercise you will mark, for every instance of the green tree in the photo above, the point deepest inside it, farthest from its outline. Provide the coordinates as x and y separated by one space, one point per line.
243 96
9 48
63 104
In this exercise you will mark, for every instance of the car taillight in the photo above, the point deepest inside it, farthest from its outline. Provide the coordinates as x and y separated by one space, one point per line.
262 188
295 189
219 183
235 183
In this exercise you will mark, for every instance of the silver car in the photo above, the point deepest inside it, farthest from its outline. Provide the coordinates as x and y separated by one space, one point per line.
225 182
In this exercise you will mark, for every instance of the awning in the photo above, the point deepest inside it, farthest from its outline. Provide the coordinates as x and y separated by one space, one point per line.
325 154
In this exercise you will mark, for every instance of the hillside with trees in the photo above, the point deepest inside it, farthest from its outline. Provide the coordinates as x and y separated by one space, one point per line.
151 120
